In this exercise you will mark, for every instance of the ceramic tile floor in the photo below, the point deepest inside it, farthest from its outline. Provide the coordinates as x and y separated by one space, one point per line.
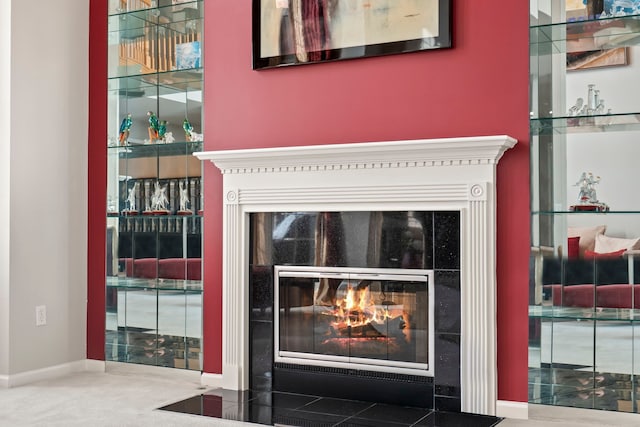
289 409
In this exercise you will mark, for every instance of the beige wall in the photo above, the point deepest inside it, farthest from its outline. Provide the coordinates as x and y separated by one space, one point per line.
46 172
5 86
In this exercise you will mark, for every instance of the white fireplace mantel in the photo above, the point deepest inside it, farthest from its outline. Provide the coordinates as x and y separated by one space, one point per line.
432 174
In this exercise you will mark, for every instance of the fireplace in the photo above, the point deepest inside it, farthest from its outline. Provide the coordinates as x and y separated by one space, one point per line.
358 318
442 177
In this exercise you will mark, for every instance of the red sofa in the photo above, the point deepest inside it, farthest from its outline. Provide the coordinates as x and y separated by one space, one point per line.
168 268
601 296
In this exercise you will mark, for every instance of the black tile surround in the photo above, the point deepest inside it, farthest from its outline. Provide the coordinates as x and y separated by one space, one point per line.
290 409
353 384
293 396
442 392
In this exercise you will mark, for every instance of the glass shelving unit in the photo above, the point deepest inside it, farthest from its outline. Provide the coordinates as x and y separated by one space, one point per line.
154 186
584 311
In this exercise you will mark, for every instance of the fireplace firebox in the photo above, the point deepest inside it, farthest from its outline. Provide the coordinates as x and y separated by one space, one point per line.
374 319
343 304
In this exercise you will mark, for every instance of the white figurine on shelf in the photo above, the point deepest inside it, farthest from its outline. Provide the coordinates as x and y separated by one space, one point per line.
587 198
131 198
111 205
587 184
168 138
576 108
184 199
196 137
159 200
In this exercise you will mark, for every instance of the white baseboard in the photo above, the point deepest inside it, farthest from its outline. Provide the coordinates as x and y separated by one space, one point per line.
211 380
510 409
89 365
51 372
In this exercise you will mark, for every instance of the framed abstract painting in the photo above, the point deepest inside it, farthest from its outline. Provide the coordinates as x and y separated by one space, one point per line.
294 32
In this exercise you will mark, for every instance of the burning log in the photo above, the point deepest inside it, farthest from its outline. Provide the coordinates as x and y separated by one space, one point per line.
389 328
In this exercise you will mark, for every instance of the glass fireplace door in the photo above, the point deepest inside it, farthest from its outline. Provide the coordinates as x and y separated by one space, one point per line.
377 319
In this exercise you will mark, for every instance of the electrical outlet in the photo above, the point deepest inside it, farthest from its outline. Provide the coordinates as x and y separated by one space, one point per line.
41 315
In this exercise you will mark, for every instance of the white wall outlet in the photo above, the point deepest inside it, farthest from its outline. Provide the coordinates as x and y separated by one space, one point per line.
41 315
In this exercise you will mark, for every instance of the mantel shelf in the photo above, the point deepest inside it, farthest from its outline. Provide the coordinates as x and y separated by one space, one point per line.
368 155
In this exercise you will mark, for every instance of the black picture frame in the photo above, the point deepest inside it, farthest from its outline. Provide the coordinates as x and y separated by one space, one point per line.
279 25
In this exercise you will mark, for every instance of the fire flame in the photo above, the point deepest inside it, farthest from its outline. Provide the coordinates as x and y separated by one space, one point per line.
357 308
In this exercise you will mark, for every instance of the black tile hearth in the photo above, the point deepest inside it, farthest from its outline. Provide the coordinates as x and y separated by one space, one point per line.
300 410
337 406
305 419
363 422
457 419
395 414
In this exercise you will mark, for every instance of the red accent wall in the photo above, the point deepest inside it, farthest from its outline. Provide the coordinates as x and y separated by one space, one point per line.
97 179
480 87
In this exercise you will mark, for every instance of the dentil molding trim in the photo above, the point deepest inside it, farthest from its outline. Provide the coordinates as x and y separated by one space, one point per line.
366 155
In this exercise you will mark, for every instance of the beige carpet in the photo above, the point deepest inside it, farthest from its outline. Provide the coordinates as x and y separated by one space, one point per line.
101 399
121 397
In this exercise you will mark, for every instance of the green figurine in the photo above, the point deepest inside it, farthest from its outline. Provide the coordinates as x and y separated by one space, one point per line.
154 126
162 129
187 129
124 129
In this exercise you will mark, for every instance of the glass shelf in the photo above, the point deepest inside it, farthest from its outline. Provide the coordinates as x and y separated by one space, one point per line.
585 124
589 313
122 216
606 33
134 151
192 286
155 42
567 212
164 14
184 80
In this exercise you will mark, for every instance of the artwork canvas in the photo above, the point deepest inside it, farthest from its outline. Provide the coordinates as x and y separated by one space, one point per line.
188 55
579 10
621 7
597 58
590 34
290 32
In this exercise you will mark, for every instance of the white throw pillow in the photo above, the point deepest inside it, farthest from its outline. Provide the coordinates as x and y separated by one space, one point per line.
606 244
587 236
